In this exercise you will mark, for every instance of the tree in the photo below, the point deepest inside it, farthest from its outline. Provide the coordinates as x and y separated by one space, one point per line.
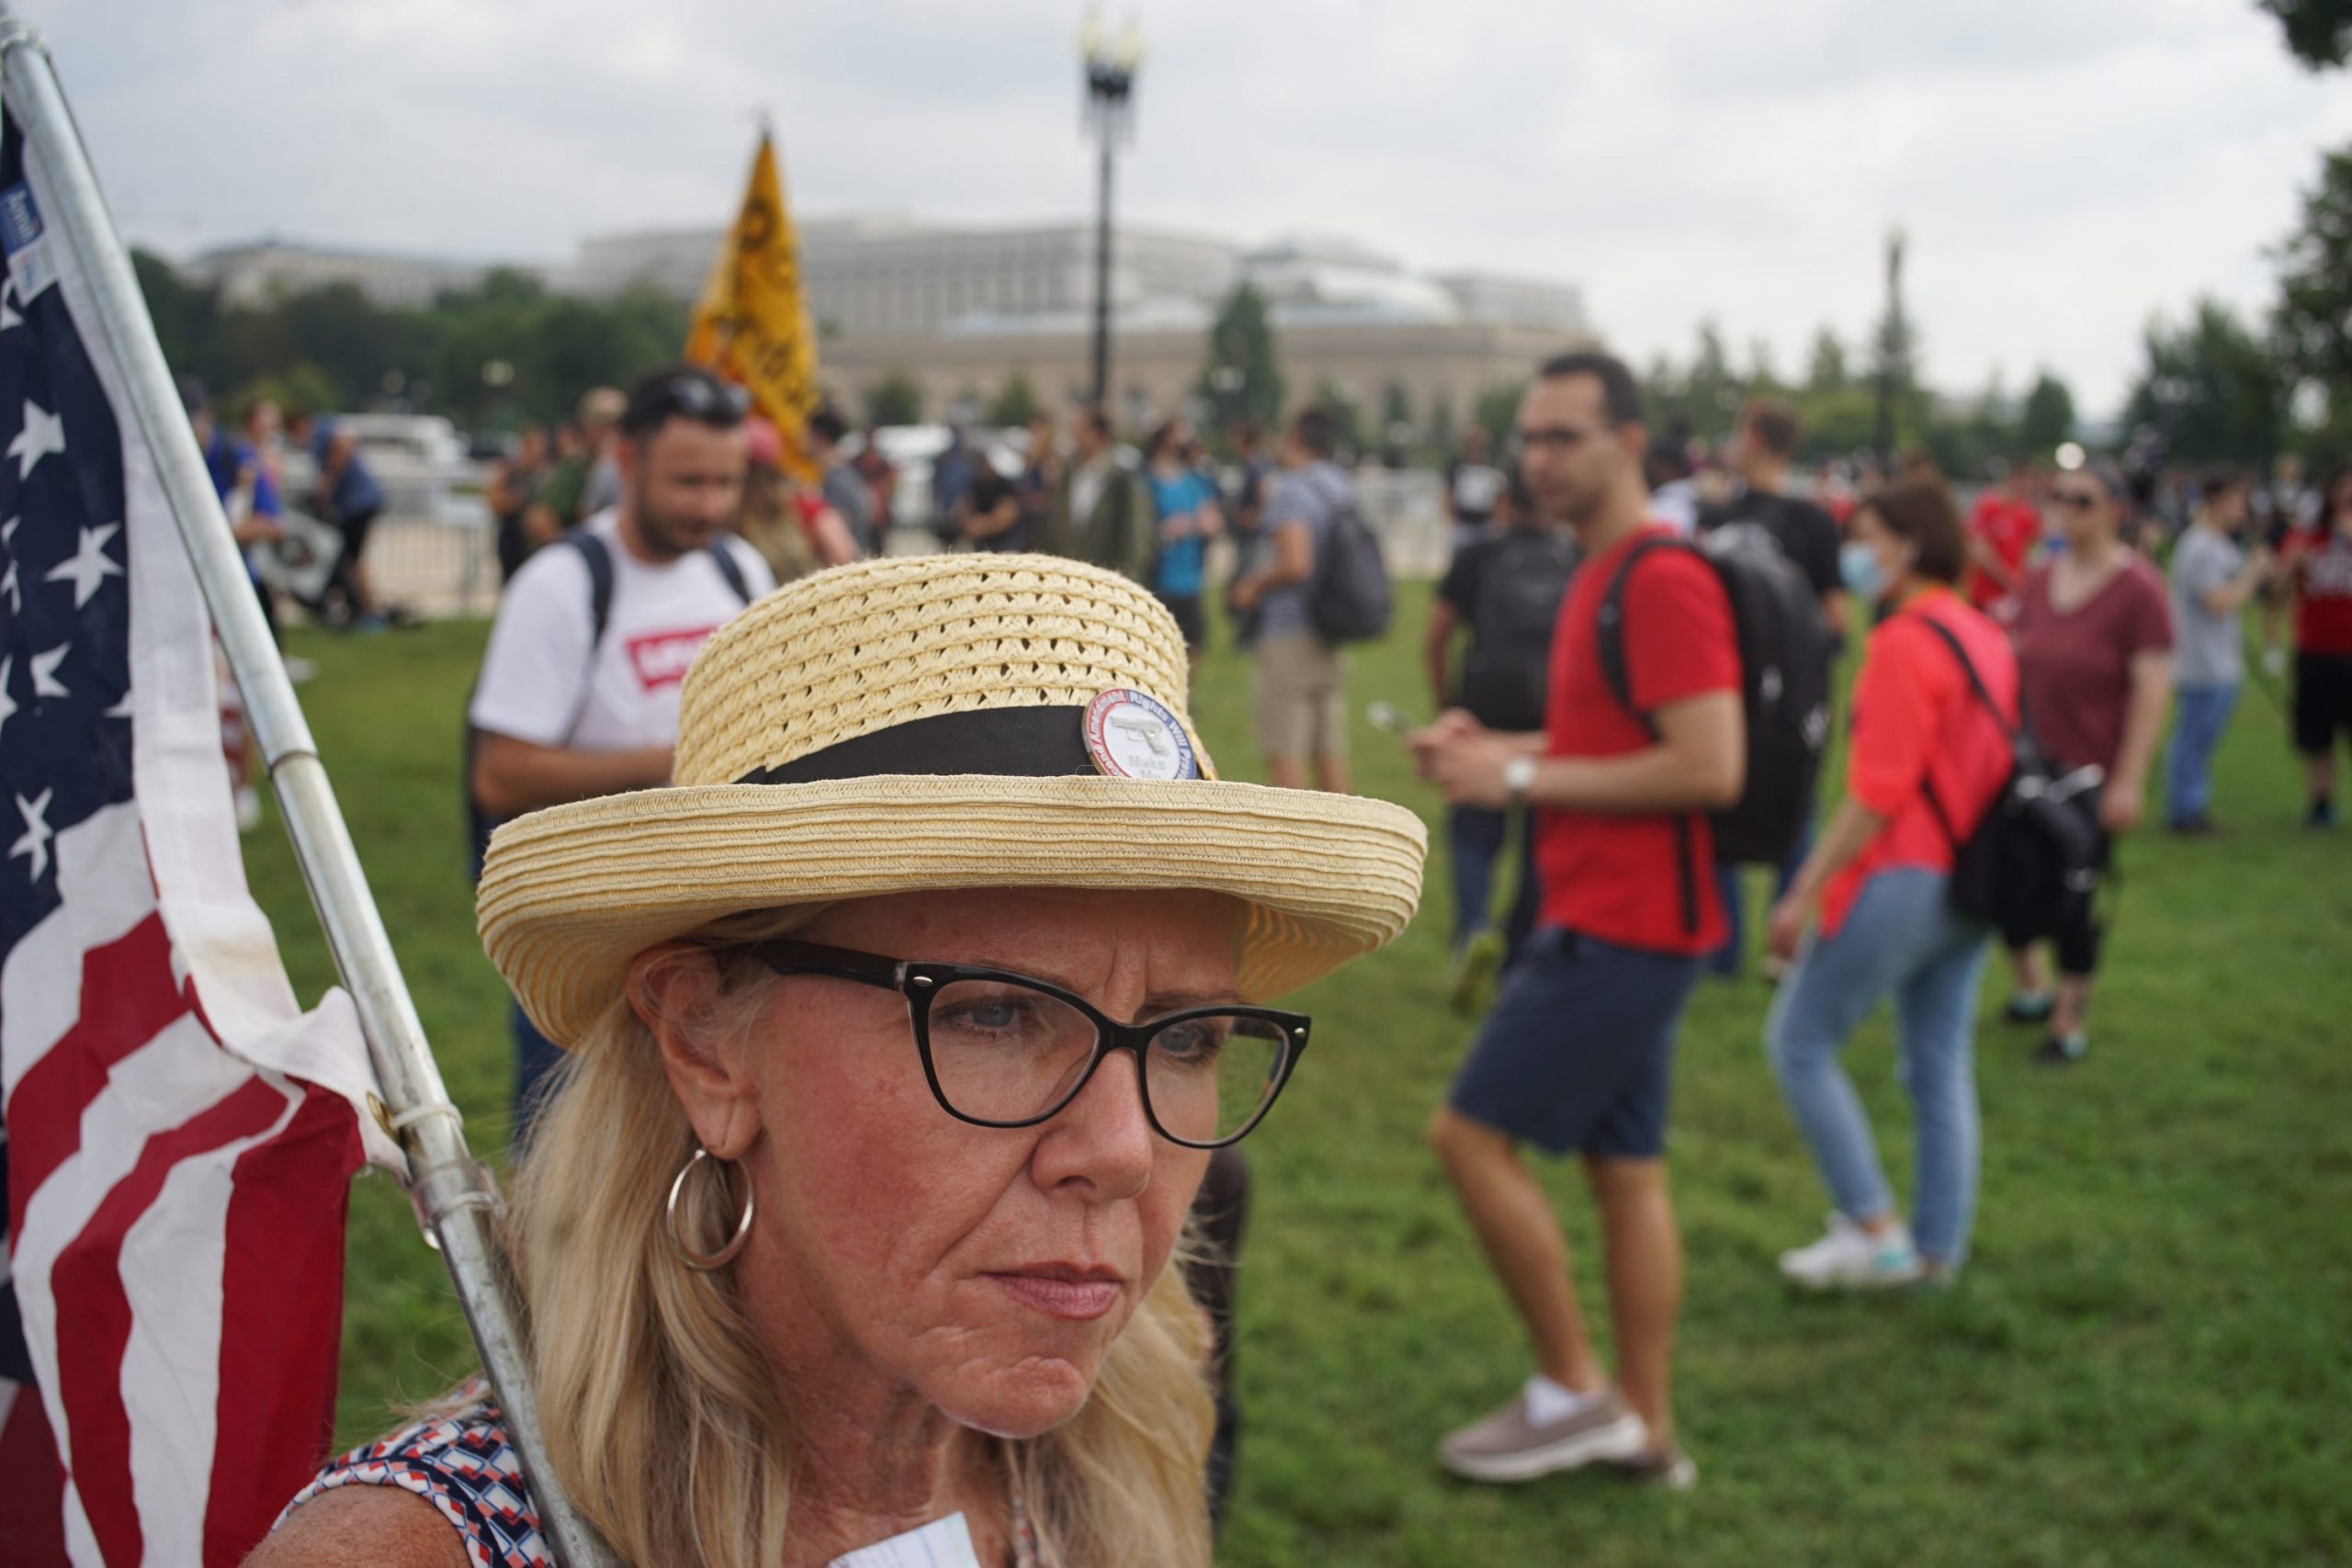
2048 417
1441 435
1395 409
1016 402
1242 379
2314 313
186 317
1498 409
1762 377
2209 389
1992 427
1827 372
301 385
1711 392
335 347
2319 32
1965 439
1347 417
1662 397
1839 424
894 400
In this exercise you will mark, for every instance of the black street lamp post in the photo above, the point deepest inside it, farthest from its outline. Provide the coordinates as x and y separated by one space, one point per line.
1111 65
1895 348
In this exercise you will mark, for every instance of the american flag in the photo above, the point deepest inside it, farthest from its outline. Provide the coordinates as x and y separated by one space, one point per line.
179 1136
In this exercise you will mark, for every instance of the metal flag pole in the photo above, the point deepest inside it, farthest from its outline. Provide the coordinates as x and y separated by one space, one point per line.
453 1192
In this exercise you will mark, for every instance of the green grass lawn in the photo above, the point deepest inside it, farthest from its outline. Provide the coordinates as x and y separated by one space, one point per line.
2149 1361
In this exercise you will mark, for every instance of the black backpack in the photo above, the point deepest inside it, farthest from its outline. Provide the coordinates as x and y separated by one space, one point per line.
2034 859
597 556
1348 596
1784 691
1512 618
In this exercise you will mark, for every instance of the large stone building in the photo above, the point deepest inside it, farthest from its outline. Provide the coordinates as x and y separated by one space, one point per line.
250 277
960 311
889 275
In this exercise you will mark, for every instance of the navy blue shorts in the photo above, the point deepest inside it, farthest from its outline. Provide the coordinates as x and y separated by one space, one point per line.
1578 1052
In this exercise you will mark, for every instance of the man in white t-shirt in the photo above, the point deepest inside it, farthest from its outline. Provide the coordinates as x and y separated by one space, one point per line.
563 711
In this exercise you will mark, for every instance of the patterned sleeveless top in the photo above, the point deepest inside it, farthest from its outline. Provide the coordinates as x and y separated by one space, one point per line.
464 1466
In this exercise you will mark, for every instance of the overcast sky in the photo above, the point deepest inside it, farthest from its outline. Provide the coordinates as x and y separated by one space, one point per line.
2065 167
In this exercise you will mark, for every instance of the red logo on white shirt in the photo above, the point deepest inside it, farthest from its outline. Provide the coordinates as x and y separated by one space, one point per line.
662 658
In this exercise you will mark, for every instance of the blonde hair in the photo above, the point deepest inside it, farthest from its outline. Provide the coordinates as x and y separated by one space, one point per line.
661 1413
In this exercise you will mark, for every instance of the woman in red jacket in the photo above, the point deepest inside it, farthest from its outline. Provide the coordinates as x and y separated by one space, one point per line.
1927 756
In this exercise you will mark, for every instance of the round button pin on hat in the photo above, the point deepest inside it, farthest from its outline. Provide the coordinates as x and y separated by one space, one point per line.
1130 735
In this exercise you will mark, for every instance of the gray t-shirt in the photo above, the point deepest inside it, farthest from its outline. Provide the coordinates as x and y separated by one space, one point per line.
1313 495
2208 650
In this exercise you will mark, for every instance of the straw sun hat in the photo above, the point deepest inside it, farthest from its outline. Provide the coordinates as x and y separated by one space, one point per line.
937 722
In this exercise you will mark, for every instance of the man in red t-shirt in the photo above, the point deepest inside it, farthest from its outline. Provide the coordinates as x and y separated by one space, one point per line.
2319 573
1576 1053
2002 532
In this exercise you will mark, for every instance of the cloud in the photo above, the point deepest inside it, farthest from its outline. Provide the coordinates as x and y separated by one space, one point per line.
2063 168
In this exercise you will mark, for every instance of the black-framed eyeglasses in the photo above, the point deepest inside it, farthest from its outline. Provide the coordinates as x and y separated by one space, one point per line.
1005 1050
1547 437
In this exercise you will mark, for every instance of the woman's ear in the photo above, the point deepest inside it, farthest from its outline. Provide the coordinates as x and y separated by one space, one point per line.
675 992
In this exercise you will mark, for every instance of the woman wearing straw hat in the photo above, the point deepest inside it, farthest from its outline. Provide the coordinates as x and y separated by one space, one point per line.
900 1030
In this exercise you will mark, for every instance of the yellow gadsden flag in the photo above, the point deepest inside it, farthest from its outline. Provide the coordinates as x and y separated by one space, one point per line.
750 325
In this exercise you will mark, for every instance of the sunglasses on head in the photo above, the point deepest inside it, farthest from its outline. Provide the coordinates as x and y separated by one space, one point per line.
700 396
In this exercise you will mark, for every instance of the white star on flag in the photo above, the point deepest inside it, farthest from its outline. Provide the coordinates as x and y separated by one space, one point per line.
43 433
88 566
7 703
9 583
45 680
33 843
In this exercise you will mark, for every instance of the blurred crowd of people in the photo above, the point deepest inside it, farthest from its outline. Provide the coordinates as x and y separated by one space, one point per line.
1598 711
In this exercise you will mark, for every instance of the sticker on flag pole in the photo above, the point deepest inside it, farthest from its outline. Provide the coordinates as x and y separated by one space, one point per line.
31 269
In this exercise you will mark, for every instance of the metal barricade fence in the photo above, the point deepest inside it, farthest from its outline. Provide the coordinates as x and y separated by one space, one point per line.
433 548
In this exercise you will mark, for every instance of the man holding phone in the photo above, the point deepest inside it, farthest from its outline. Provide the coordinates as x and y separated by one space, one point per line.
1576 1053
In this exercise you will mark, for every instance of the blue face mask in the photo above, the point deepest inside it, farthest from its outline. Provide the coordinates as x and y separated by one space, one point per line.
1858 565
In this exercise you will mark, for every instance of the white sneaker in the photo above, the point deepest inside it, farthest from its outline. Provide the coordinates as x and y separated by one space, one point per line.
1849 1258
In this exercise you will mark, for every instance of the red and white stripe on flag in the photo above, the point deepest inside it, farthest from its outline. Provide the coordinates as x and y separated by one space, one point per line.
180 1137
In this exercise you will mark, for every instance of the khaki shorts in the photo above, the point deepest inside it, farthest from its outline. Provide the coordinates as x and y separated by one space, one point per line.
1302 698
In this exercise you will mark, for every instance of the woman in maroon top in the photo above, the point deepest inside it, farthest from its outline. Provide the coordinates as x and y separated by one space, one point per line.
2094 641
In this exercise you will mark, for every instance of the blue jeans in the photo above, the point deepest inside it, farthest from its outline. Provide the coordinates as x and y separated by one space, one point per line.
2188 769
1724 960
1476 839
1902 938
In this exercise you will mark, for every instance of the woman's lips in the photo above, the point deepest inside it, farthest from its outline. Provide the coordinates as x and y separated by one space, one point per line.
1074 1297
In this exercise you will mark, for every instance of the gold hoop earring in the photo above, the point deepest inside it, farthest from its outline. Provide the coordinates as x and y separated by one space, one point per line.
705 1262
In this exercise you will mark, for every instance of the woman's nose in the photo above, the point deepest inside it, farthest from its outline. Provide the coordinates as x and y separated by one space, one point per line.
1102 1141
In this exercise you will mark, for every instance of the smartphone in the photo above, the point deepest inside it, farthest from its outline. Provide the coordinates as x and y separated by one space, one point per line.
1390 717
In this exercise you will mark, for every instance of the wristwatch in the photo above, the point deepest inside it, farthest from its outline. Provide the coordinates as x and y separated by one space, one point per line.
1519 777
